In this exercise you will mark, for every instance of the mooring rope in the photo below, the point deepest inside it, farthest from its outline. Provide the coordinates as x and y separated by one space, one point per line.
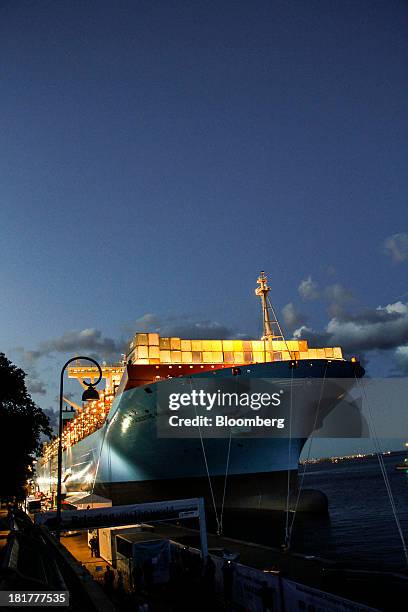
383 469
289 460
207 469
225 482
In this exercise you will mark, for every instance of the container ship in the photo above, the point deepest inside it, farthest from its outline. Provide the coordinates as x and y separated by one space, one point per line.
111 446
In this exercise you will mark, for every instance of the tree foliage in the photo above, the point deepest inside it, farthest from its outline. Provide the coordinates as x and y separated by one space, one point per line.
22 426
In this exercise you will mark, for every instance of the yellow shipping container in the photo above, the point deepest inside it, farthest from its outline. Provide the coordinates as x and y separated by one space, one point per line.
258 345
228 345
337 352
237 344
238 356
165 343
196 345
216 345
141 339
165 356
312 353
175 356
328 352
293 345
278 345
154 352
206 345
185 345
154 339
304 354
175 344
207 357
197 357
142 352
186 356
259 356
218 356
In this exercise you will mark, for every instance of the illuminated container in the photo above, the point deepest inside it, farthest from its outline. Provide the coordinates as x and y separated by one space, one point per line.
165 356
152 349
154 352
142 352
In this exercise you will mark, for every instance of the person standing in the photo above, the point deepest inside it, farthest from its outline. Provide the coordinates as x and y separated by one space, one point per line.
94 546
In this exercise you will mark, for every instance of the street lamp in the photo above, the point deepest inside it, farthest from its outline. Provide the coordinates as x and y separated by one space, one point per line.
89 394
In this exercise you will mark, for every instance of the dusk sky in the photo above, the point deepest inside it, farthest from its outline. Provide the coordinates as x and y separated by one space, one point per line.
155 156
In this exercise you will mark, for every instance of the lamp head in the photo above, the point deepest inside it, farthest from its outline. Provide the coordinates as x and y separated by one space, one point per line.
90 394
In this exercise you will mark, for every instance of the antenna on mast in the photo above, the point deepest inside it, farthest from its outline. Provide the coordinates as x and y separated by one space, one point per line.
271 327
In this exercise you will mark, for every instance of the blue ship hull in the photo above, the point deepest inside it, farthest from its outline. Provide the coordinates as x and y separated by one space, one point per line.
127 462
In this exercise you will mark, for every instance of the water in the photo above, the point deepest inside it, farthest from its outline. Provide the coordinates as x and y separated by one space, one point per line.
361 530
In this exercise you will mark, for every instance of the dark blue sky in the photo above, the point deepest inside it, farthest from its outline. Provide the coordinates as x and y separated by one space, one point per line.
156 155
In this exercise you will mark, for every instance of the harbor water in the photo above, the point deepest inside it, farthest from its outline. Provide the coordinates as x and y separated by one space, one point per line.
360 531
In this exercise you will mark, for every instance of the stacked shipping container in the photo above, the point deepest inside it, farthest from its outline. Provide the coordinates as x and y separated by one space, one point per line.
152 349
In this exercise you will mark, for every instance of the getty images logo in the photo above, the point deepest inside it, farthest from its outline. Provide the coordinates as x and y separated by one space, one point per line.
222 399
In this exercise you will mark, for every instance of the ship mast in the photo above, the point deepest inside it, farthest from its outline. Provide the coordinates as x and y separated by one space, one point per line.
271 327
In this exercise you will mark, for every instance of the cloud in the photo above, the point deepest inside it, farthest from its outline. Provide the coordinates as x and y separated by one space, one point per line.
27 361
372 329
396 246
308 289
36 386
291 316
183 327
338 297
88 340
382 328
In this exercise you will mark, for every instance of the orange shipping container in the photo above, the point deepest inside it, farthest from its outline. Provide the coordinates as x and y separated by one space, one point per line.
154 339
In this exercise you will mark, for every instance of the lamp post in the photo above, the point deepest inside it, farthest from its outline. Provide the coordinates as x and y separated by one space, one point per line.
89 394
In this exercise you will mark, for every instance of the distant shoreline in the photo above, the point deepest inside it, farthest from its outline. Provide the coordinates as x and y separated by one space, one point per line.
356 457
